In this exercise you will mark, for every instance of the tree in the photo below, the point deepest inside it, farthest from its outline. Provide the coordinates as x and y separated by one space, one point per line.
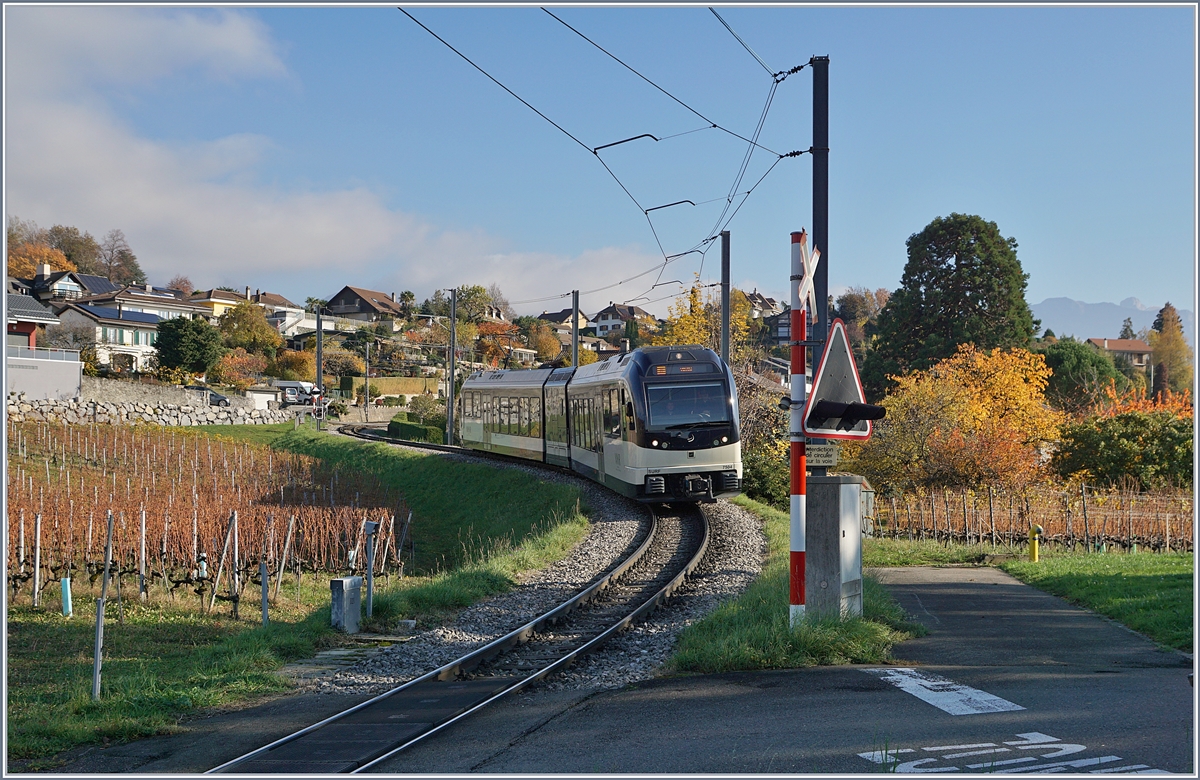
341 363
859 309
237 368
1154 449
1127 329
312 304
118 260
962 284
80 337
181 283
694 319
294 366
974 418
1081 374
500 301
407 304
80 248
425 406
245 326
24 259
1171 349
192 345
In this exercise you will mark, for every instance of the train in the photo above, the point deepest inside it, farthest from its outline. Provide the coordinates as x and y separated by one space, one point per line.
656 424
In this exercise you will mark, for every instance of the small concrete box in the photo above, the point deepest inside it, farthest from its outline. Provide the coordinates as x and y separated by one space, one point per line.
346 603
833 546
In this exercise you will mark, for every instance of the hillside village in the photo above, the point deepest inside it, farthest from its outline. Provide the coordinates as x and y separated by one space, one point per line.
117 327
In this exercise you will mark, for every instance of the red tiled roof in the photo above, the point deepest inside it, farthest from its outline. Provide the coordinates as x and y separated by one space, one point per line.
1121 345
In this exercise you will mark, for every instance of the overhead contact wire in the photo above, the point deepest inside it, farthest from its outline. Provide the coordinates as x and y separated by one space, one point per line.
631 69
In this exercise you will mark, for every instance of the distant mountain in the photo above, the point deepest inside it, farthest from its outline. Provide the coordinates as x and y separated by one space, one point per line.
1084 321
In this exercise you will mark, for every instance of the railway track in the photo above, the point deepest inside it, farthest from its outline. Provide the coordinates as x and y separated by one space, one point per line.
376 730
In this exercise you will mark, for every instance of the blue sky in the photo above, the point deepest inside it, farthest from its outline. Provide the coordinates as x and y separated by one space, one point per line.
299 149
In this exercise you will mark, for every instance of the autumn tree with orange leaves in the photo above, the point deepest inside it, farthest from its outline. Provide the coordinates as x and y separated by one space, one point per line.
974 418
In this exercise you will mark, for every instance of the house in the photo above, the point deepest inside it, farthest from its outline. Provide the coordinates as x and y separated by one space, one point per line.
25 317
615 315
585 342
762 306
217 302
562 319
1136 351
357 303
779 327
57 287
162 302
124 338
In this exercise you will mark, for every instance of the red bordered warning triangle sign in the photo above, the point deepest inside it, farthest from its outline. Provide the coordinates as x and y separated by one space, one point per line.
837 408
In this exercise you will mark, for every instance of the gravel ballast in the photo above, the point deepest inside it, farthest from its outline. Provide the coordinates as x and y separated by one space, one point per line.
733 559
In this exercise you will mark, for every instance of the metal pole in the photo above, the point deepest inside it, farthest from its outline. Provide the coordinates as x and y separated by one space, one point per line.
37 559
820 201
96 660
725 297
797 328
320 365
575 327
367 385
450 367
142 561
371 571
266 587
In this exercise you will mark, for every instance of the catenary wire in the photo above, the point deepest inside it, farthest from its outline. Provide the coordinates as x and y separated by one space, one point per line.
667 260
713 125
739 40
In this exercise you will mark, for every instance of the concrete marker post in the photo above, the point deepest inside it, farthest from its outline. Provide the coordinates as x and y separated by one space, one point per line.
37 559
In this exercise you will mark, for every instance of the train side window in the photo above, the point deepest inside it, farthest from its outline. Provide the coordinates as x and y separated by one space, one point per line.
524 417
503 418
535 417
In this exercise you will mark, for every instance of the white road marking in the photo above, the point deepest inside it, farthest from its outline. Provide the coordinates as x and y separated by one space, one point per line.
942 693
1077 764
1045 745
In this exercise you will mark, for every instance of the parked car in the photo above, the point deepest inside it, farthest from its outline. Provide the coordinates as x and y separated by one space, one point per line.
214 398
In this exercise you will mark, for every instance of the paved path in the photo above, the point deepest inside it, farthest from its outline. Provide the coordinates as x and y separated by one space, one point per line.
1043 687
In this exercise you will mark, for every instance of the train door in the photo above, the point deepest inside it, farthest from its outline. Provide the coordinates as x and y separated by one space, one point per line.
596 421
611 430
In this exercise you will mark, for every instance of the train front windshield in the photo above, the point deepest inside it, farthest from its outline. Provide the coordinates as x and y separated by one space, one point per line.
686 405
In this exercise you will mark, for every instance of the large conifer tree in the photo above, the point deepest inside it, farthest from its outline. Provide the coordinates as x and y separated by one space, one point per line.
962 284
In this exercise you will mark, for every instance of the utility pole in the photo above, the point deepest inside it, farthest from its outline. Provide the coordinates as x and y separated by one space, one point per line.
450 375
575 328
320 364
725 297
367 386
820 201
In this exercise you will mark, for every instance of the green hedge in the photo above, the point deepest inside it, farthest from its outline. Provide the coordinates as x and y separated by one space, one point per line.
400 417
401 429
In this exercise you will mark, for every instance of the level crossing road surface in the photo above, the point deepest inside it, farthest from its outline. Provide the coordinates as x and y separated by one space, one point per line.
1009 680
1037 683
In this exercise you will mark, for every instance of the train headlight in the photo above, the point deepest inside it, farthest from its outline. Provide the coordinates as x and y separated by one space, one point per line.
654 443
724 438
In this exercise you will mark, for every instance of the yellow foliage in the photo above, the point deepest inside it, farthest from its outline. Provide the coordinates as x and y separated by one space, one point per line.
695 318
974 417
24 259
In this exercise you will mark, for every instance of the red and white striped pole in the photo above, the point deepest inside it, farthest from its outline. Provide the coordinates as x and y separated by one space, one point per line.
798 332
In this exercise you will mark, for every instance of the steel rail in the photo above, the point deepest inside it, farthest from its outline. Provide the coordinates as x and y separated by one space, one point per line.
591 645
518 636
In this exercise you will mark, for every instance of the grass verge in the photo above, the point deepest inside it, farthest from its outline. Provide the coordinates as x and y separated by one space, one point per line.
880 552
168 658
752 632
462 512
1148 592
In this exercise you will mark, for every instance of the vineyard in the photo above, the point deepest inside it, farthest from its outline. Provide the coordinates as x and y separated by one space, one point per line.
184 509
1086 517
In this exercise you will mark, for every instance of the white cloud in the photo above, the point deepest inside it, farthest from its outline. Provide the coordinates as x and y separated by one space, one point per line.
198 208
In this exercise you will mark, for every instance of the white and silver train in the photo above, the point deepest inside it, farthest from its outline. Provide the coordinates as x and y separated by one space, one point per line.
658 424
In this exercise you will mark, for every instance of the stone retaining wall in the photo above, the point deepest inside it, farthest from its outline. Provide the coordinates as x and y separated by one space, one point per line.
21 408
119 391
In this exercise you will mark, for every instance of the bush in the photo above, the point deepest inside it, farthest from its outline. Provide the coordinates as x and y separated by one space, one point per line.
392 400
766 478
400 417
416 432
1152 448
